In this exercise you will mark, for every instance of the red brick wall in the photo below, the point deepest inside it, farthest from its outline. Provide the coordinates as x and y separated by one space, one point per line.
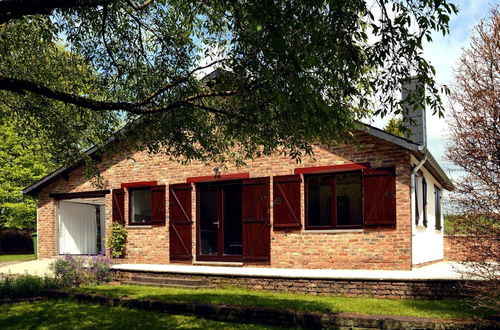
470 248
368 249
453 248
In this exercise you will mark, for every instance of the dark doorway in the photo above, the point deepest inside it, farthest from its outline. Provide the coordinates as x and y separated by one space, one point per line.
219 221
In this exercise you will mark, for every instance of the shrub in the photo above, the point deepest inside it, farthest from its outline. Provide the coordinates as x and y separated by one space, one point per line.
23 286
75 271
99 268
117 240
69 271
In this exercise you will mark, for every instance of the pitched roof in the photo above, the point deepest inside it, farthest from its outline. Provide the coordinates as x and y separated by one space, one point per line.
418 151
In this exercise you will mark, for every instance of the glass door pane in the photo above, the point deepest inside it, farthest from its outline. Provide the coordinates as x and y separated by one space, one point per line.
232 226
208 220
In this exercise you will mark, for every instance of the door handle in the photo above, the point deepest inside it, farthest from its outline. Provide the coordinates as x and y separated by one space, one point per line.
216 223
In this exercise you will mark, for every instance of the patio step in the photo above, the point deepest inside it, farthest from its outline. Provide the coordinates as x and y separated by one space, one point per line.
167 281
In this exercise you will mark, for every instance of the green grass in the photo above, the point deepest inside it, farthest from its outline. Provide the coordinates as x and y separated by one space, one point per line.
67 314
447 309
16 257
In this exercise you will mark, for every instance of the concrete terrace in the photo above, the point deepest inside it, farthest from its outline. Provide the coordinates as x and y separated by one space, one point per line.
437 271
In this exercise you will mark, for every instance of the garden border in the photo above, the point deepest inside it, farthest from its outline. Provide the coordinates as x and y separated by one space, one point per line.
4 301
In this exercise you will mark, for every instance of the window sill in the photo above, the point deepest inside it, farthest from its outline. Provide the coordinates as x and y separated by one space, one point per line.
138 226
332 231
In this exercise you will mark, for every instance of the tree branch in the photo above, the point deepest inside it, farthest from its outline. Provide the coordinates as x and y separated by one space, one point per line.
103 35
21 86
141 6
15 9
221 112
175 82
185 101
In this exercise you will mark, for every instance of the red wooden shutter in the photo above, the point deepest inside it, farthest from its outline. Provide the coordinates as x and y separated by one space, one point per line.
379 197
118 206
256 222
158 205
286 201
180 222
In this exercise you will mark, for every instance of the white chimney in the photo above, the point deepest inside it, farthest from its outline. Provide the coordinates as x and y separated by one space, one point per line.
415 111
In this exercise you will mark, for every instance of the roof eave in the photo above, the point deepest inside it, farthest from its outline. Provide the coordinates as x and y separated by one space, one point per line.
35 188
419 151
435 169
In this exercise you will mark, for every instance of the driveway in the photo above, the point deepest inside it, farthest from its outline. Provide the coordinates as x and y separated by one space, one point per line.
34 267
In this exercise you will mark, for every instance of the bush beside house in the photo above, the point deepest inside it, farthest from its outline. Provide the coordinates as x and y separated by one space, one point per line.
75 271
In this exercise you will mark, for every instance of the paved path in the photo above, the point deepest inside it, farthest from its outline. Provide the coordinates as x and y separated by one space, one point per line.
441 270
34 267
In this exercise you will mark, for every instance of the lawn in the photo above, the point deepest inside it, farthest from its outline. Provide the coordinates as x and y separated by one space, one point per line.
447 309
16 257
67 314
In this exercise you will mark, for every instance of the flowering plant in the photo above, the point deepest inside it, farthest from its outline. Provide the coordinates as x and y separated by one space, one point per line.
75 271
99 269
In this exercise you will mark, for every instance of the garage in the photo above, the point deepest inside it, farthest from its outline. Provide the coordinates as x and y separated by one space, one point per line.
81 226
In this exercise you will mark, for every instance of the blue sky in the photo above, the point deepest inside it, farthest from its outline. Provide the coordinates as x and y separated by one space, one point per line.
444 53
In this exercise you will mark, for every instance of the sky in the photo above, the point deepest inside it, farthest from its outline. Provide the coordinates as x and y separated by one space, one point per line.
444 53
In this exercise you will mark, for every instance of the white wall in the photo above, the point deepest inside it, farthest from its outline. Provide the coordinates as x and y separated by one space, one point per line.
427 242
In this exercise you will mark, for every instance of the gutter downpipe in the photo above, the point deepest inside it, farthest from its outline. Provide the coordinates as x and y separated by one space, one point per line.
415 169
412 185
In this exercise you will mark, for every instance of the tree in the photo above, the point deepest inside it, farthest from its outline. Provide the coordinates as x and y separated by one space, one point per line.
56 130
38 134
20 165
395 127
474 148
294 71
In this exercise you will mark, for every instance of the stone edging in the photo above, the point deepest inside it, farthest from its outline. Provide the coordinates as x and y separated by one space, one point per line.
275 317
19 300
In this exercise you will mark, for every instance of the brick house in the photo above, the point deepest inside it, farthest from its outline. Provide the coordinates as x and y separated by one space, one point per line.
374 204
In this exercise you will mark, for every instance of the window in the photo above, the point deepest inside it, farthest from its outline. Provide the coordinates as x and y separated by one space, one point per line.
420 178
437 207
424 200
140 205
319 201
417 213
334 201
